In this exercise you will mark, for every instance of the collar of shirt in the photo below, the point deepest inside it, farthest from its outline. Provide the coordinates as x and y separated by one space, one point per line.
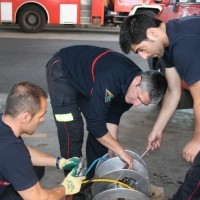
133 74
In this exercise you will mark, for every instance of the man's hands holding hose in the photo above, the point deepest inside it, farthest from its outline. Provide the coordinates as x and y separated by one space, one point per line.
72 183
66 164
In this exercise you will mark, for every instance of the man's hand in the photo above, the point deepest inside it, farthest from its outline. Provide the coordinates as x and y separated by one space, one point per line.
112 153
191 150
155 140
72 183
128 159
68 164
112 144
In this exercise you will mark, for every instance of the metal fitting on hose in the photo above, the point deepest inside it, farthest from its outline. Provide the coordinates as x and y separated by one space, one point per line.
81 167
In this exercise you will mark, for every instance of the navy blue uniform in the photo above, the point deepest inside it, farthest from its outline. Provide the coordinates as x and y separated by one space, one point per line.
183 50
92 81
183 53
16 170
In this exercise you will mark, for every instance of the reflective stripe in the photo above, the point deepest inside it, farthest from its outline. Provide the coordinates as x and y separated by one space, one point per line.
64 117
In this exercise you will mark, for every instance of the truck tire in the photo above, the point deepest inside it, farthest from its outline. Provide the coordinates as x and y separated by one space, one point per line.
31 19
156 64
186 100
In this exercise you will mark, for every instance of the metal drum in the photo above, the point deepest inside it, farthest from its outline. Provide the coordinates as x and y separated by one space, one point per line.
117 164
134 179
133 154
120 193
112 173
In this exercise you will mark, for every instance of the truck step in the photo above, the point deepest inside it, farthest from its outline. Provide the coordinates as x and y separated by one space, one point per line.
85 20
85 13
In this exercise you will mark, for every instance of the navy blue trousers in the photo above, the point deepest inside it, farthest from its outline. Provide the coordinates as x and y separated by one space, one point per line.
68 105
12 194
190 189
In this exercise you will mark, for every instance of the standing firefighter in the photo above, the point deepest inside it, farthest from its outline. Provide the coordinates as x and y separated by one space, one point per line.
177 42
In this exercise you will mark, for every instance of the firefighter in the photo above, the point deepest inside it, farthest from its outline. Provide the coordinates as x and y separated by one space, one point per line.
177 43
101 84
24 110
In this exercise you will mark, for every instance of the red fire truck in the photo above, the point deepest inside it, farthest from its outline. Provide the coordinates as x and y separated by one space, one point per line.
166 10
32 15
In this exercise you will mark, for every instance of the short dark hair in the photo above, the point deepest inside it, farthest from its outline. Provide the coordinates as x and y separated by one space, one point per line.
155 83
133 30
24 97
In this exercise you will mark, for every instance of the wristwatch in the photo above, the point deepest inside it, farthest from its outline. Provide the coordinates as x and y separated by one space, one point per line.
58 158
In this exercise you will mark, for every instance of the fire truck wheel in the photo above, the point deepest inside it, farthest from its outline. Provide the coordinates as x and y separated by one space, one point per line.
32 19
156 64
160 66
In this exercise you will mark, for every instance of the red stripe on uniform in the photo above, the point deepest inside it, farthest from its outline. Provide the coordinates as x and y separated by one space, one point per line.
50 75
94 62
194 191
52 88
4 183
69 197
68 136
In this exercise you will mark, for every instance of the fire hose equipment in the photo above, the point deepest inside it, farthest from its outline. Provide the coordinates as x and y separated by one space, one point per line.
66 164
81 167
72 183
113 172
120 193
112 181
145 153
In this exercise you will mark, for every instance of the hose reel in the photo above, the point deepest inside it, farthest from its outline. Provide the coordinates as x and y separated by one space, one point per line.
113 169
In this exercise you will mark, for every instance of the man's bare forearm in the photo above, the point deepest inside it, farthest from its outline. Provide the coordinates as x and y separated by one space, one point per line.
170 100
108 141
194 89
36 192
39 158
196 134
169 105
56 193
113 129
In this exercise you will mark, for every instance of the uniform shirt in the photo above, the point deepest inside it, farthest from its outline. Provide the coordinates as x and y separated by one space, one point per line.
103 76
183 51
15 162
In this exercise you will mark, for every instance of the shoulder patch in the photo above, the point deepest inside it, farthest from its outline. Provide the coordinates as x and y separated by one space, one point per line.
109 96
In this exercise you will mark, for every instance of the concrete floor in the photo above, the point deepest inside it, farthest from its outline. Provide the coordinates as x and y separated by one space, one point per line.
166 166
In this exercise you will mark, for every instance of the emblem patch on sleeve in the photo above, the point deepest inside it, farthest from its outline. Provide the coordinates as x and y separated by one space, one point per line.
109 96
